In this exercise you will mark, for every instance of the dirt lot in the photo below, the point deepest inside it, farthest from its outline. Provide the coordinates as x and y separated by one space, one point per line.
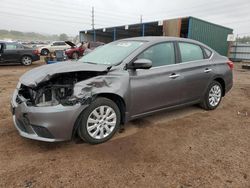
185 148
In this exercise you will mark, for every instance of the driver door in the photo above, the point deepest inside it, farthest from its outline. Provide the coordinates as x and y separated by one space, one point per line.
11 53
159 86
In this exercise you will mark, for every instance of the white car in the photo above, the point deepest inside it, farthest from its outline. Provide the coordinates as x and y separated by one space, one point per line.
57 45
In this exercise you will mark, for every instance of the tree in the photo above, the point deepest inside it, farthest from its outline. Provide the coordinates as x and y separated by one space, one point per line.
63 37
245 39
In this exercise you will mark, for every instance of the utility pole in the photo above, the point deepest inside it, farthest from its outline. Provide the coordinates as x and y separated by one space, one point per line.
93 18
93 23
141 19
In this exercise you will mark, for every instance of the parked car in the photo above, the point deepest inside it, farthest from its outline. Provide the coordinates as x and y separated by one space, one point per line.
75 51
92 46
13 52
57 45
119 82
81 49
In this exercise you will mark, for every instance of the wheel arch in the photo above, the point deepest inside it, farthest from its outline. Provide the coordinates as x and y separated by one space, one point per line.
222 83
44 49
117 99
26 55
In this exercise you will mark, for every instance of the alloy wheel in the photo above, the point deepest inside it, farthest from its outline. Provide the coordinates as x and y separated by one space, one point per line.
101 122
26 60
214 96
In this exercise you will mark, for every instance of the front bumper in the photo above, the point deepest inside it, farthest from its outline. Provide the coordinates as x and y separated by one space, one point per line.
50 124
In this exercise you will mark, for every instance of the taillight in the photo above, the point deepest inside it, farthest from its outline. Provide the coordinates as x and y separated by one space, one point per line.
230 64
35 52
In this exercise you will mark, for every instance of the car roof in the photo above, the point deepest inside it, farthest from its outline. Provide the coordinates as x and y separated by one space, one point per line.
153 39
8 42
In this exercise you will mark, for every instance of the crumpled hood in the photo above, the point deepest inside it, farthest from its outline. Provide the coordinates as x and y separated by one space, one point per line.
44 73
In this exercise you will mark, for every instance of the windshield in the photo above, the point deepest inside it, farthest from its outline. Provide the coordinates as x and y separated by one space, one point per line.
112 53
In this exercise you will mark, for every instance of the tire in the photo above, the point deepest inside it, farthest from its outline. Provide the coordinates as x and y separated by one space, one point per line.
26 60
75 56
44 52
212 97
95 128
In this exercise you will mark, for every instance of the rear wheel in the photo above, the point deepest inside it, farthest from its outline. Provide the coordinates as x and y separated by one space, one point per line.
212 97
26 60
44 51
99 121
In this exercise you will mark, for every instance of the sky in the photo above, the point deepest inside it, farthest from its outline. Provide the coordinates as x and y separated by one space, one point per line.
71 16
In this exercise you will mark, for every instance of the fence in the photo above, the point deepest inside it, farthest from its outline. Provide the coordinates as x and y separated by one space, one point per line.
240 52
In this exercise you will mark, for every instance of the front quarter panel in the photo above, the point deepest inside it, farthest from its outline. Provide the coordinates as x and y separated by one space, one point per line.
114 83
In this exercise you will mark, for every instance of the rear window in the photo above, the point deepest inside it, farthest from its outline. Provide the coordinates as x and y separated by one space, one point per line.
59 43
190 52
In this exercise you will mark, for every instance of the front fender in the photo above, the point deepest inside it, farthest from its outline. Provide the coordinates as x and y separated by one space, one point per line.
118 85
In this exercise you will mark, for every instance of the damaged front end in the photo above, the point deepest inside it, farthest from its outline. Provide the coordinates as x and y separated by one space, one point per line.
48 110
57 90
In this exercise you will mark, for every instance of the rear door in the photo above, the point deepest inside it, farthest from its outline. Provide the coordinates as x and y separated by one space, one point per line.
159 86
196 69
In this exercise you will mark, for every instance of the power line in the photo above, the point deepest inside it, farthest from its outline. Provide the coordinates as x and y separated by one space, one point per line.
42 18
203 6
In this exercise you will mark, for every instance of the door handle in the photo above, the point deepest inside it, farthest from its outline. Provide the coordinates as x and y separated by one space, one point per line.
207 70
173 76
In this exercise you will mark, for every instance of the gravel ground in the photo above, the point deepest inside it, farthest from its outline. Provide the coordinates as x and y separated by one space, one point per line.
184 148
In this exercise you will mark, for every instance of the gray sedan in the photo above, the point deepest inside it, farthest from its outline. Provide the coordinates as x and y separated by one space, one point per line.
116 83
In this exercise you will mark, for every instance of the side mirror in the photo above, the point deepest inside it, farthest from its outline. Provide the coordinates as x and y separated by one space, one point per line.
140 64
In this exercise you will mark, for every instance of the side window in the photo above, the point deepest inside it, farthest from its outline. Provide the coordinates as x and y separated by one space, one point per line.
160 54
61 43
20 46
55 44
1 48
11 46
190 52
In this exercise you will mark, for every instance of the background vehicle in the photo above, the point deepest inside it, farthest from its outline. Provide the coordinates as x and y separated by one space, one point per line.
57 45
81 49
91 46
12 52
119 82
75 51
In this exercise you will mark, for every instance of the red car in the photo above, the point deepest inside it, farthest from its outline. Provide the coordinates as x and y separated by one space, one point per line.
75 51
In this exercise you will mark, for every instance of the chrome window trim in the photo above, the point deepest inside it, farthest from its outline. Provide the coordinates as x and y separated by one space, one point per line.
163 66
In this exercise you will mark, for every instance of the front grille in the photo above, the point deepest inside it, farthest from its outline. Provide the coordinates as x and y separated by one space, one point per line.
42 131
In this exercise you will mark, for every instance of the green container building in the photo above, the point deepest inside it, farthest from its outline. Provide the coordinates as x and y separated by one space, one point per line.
213 35
210 34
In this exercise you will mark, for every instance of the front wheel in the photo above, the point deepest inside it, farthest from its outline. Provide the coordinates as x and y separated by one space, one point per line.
26 60
212 97
99 121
